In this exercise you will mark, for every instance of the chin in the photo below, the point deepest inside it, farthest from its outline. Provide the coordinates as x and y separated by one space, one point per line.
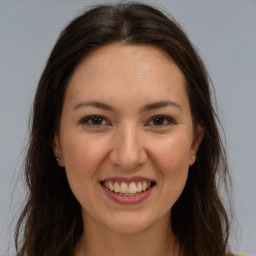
127 224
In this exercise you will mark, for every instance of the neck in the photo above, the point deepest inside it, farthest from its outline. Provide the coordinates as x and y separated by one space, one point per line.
155 240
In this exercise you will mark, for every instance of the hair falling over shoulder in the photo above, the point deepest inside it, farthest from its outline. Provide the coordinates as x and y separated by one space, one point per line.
51 221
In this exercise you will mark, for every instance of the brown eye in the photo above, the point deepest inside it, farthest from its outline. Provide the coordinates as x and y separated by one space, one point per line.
97 121
160 121
94 121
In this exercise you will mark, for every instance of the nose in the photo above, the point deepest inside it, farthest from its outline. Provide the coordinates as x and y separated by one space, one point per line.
127 150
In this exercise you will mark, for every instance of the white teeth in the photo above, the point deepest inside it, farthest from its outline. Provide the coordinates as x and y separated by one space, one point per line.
144 185
111 187
116 187
132 188
124 188
139 187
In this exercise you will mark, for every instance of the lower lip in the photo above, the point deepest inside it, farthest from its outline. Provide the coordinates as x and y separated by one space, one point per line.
128 199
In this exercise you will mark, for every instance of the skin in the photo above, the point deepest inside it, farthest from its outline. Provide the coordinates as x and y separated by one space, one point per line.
128 141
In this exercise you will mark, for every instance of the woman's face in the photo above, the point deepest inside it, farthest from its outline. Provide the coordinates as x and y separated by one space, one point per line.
126 137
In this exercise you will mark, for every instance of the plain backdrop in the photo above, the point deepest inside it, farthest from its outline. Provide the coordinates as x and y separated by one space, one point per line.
224 33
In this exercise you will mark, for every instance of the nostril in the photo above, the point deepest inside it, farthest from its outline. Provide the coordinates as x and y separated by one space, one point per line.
127 157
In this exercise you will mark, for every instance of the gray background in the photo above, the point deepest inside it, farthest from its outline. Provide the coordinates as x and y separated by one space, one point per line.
222 30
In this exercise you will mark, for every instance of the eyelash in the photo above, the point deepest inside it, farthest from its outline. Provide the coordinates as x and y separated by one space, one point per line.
90 119
166 121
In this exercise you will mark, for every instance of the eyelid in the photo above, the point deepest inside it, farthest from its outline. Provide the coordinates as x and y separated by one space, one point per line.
84 120
170 120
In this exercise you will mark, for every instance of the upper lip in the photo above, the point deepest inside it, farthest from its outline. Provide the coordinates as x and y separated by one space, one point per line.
128 180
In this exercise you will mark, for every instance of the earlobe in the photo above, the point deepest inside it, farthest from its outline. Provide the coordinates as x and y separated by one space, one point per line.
56 147
196 144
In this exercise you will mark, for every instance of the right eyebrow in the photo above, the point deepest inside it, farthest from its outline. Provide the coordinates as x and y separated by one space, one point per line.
96 104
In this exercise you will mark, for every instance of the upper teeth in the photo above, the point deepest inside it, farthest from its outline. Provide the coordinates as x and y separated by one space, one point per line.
124 187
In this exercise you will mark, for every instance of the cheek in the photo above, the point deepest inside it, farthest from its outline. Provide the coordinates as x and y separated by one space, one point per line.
82 158
172 160
173 168
173 153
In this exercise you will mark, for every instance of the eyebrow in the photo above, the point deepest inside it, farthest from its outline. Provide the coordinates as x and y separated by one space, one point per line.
96 104
147 107
160 104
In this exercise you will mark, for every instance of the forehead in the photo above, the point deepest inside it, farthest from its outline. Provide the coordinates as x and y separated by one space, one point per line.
131 69
141 58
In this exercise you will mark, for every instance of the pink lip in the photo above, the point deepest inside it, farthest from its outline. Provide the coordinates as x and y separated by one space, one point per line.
126 200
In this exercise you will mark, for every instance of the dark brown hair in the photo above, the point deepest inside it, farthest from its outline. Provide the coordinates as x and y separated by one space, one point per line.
51 222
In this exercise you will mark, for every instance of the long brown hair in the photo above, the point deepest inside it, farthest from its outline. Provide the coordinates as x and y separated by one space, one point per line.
51 222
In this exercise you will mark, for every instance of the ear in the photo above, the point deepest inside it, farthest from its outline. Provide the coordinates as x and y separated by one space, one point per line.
198 138
57 151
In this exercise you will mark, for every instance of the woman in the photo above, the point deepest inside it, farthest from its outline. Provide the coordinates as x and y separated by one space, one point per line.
124 151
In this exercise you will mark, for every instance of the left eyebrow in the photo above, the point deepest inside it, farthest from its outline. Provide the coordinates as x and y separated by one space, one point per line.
160 104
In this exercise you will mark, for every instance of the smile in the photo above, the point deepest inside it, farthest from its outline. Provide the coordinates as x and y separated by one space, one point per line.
127 189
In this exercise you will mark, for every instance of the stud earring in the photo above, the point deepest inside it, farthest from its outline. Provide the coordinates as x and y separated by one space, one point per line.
57 159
